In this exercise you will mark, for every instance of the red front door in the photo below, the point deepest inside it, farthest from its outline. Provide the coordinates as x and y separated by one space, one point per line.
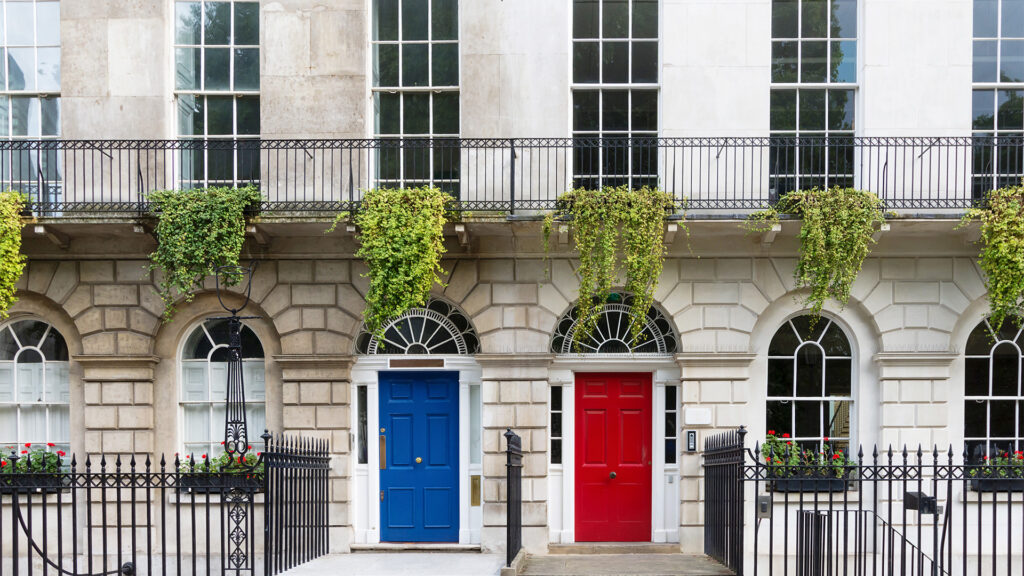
613 457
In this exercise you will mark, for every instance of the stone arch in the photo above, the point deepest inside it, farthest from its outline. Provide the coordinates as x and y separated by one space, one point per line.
167 344
32 305
860 329
660 334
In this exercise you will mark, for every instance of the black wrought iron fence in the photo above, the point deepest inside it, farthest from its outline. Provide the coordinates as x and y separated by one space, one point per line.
296 516
509 175
514 510
887 512
105 516
723 498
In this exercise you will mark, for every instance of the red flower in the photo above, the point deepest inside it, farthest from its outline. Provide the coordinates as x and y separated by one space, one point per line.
24 451
249 448
836 456
771 432
222 443
826 438
204 456
242 458
61 453
188 455
785 434
28 445
259 453
50 444
3 463
984 457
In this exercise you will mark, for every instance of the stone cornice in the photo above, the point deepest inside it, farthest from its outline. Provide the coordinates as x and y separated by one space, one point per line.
914 366
518 360
112 368
314 367
706 366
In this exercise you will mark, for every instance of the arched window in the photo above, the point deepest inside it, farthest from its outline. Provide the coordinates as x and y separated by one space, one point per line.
612 334
34 389
992 390
204 376
439 328
810 383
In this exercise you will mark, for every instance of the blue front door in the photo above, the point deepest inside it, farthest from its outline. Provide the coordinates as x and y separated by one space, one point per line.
419 471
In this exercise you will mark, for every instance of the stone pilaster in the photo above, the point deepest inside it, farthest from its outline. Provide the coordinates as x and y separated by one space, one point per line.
315 400
716 394
515 395
916 405
118 411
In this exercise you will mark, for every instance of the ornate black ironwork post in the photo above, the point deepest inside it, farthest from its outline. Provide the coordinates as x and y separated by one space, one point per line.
238 498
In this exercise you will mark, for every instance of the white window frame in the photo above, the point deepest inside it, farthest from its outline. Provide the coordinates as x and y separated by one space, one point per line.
821 399
989 439
216 432
204 94
376 91
993 175
602 87
827 86
47 404
31 182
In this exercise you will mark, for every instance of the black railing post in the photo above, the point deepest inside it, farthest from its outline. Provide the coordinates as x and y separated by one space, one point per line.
514 512
512 177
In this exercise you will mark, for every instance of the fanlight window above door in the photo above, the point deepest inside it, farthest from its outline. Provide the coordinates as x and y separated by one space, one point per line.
612 334
438 328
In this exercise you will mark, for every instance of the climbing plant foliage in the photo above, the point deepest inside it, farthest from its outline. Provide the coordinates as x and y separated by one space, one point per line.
197 230
836 234
605 222
12 261
401 241
1002 251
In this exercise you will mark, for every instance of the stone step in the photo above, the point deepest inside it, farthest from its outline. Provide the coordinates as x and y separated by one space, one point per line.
614 548
628 564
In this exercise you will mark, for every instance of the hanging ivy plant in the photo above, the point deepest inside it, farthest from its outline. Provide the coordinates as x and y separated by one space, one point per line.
197 230
604 222
401 240
836 234
1002 251
12 261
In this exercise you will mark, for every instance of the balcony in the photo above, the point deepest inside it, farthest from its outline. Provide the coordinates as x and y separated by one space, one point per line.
715 176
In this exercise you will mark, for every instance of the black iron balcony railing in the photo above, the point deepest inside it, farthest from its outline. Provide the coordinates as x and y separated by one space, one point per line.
76 177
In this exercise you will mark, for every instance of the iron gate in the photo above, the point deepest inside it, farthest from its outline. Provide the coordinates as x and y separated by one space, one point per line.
888 512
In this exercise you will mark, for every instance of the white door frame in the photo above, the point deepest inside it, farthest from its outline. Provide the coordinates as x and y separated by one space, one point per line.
364 506
665 497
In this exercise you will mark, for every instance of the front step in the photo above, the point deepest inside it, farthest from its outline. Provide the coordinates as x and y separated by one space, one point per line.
415 547
623 565
614 548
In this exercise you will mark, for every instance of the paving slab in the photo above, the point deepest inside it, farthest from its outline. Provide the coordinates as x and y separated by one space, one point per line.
623 565
403 563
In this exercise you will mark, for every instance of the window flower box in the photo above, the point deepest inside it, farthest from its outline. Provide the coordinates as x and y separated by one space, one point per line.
789 468
1003 473
220 474
36 470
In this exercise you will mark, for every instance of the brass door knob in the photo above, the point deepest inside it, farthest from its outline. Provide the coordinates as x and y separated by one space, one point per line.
419 460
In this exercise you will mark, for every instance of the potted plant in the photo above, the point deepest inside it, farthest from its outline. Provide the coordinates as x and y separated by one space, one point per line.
220 473
1003 473
791 468
35 469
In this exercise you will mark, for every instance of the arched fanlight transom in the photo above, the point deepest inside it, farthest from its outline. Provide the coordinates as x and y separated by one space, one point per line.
612 335
438 328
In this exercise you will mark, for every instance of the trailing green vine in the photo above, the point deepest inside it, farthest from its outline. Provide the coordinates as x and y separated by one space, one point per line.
12 261
198 230
1002 251
401 240
835 237
605 221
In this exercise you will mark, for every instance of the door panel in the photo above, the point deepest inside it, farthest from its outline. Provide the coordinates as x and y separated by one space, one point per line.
613 437
419 417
